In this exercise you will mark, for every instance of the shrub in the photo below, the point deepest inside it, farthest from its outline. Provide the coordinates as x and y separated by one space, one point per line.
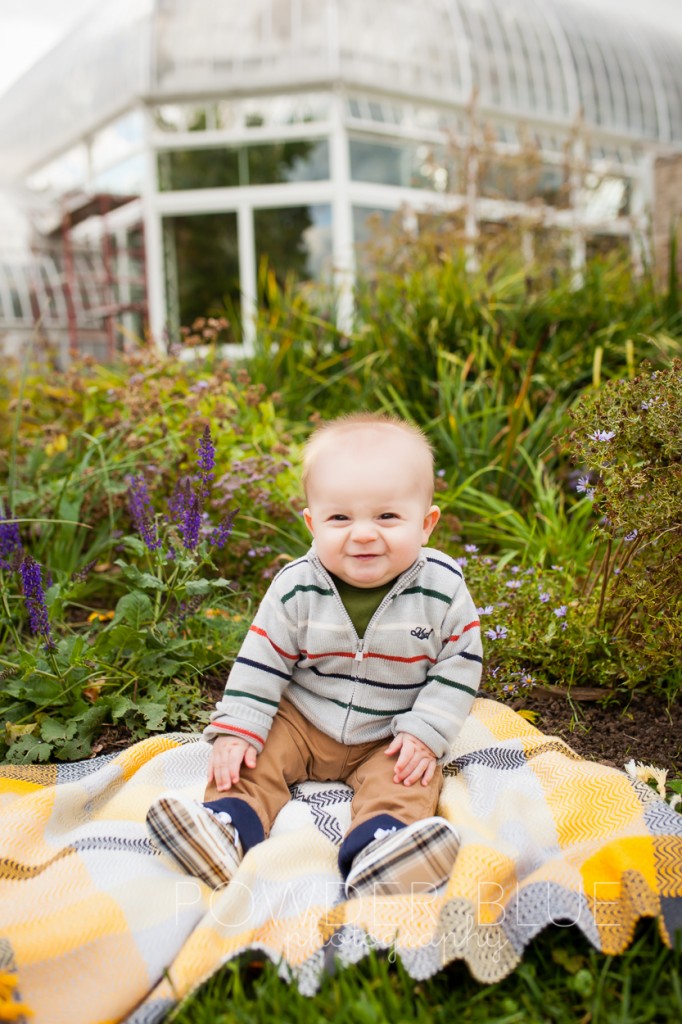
614 622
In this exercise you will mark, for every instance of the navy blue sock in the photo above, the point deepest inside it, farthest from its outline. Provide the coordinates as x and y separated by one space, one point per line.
358 838
244 818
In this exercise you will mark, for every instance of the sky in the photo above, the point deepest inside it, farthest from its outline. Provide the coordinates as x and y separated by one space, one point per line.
29 28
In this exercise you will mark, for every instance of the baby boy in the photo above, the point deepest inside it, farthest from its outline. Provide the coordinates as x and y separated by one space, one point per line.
361 665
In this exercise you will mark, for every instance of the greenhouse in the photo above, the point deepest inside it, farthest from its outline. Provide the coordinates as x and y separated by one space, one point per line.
167 148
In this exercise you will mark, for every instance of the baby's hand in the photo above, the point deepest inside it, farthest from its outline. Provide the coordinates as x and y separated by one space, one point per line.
227 754
416 760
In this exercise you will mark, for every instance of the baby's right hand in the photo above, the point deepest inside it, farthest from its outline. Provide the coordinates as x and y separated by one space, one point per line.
227 755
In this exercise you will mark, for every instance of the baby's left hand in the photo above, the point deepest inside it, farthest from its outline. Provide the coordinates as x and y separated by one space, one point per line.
416 760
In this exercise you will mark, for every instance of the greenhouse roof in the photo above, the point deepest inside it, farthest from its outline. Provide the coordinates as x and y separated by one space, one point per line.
547 59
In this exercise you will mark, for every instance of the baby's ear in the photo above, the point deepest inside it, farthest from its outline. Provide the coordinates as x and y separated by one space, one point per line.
308 520
430 520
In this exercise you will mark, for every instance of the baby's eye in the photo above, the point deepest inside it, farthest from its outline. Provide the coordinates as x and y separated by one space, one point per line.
388 515
338 518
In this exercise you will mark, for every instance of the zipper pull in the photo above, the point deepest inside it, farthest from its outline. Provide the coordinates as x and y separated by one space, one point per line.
359 654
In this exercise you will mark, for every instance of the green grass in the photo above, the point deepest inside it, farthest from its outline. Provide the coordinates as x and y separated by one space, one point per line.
561 980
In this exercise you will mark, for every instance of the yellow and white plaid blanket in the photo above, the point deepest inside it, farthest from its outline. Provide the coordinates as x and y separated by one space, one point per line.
96 925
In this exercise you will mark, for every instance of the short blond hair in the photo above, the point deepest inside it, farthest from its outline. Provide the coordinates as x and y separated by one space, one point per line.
350 421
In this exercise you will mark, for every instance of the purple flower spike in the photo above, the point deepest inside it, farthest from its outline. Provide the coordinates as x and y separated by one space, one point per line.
10 541
206 460
142 512
221 534
186 507
34 597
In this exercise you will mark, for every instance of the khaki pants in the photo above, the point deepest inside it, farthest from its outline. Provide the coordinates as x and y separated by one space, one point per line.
296 751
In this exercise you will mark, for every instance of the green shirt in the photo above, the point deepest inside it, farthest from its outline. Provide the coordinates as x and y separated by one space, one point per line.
361 602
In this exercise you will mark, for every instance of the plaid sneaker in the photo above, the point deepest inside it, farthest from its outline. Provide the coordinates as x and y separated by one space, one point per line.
203 843
416 858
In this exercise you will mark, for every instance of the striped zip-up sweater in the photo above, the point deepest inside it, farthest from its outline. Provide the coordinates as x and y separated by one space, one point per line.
417 669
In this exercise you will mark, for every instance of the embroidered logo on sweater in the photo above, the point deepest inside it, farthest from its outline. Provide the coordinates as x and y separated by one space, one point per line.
421 632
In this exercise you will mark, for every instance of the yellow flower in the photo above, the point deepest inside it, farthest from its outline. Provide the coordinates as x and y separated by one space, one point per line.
11 1008
100 616
60 444
530 716
215 613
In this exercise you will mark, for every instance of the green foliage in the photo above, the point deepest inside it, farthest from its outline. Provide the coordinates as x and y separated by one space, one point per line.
68 442
504 369
138 663
560 980
628 440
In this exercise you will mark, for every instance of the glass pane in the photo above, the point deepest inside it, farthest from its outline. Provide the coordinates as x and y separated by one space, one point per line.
289 161
296 240
407 164
116 141
303 108
198 168
552 185
385 163
67 172
124 179
202 267
185 117
606 197
371 226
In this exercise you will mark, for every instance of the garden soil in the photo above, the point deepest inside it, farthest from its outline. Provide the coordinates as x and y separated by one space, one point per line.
640 726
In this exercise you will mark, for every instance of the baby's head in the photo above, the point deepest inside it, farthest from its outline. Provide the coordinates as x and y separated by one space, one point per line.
368 480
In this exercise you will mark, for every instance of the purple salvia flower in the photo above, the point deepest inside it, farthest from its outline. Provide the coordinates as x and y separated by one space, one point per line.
142 513
190 519
206 461
10 540
221 534
34 597
81 574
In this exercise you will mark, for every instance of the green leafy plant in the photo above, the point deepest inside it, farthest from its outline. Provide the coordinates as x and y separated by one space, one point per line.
138 663
627 441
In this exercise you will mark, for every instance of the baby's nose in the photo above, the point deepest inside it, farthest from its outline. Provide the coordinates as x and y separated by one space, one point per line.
364 531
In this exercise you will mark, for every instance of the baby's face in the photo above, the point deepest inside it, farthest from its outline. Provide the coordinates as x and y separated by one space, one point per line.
369 505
